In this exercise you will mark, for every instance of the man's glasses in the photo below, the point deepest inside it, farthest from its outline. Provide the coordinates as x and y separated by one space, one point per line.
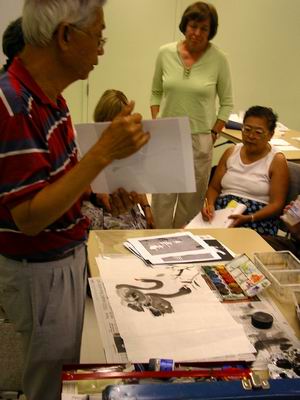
100 40
258 132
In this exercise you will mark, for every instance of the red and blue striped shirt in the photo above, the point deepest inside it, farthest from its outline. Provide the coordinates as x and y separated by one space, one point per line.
37 147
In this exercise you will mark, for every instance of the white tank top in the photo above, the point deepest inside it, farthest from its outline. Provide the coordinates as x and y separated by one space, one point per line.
250 181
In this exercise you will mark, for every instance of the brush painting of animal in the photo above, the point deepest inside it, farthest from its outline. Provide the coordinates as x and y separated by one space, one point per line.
137 299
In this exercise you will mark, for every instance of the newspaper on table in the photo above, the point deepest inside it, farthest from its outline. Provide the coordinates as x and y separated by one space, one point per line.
277 341
112 342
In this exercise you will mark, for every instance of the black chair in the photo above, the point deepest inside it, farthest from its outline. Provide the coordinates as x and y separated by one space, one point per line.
294 187
294 184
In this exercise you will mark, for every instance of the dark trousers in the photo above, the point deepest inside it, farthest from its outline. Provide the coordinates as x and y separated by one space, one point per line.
281 243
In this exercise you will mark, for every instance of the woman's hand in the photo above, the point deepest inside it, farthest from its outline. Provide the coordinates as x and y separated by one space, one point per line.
208 212
239 219
101 200
288 206
121 202
116 203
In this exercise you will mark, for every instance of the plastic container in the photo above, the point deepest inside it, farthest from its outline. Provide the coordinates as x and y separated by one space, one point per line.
283 270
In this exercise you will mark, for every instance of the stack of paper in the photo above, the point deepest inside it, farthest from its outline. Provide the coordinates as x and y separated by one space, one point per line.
177 248
282 144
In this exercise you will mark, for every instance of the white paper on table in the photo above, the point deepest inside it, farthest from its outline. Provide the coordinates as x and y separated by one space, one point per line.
287 148
280 127
199 345
180 247
236 117
220 219
108 327
279 142
195 317
74 396
164 165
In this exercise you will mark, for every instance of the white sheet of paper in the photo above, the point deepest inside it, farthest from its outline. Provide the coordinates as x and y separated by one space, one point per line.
163 165
281 127
236 117
70 396
199 345
192 316
279 142
287 148
220 219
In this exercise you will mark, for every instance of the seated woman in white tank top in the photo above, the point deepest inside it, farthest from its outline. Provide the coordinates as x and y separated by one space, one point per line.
253 173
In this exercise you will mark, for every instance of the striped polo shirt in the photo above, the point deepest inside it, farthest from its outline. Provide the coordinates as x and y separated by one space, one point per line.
37 147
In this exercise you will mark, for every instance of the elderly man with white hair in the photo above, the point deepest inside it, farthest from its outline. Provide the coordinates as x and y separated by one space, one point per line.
42 183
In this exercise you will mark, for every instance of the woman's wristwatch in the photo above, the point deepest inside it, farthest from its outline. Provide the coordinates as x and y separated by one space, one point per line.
214 132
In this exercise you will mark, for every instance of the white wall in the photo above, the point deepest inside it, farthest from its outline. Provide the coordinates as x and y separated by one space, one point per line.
260 37
76 93
135 30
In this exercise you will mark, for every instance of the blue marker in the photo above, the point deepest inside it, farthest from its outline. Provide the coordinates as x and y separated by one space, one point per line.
161 364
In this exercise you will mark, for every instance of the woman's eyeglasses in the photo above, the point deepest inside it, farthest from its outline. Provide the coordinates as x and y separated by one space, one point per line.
248 129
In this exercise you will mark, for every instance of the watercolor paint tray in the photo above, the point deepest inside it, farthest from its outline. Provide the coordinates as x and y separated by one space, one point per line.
240 279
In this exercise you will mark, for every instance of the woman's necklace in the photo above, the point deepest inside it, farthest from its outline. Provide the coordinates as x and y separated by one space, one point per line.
188 59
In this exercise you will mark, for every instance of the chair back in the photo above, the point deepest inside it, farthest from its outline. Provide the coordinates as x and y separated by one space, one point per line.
294 184
294 188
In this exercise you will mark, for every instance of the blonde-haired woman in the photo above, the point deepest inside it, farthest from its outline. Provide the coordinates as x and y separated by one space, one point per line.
110 104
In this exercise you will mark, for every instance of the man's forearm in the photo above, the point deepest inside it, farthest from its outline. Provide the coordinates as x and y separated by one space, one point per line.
54 200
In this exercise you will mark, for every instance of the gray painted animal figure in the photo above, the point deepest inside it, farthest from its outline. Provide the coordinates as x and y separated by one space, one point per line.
133 297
